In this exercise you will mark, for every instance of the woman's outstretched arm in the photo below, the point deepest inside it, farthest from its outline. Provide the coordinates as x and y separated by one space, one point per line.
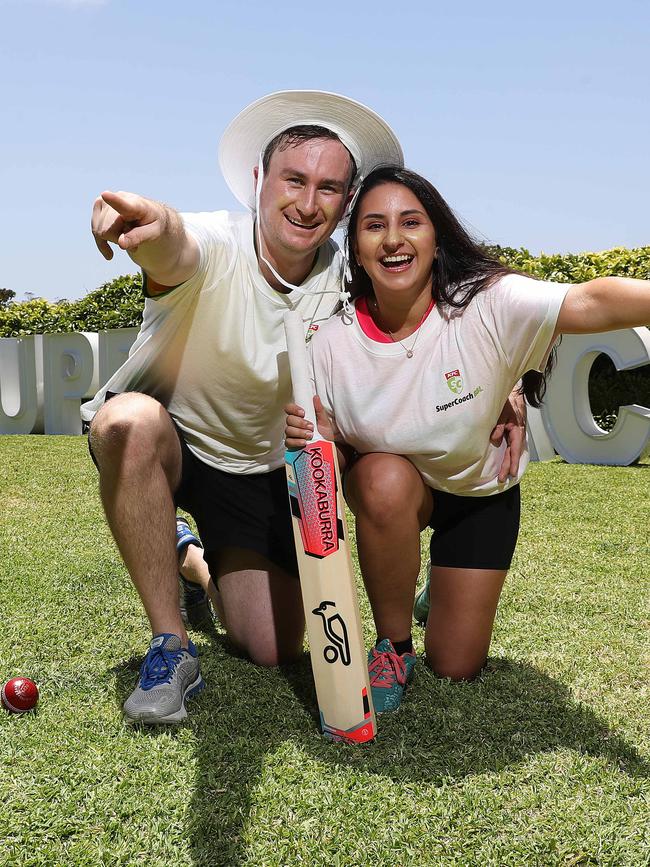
604 304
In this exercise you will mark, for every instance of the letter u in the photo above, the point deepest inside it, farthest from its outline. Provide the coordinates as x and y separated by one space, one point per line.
18 390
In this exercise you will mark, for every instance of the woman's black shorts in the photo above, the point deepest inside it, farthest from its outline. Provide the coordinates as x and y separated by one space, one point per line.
475 532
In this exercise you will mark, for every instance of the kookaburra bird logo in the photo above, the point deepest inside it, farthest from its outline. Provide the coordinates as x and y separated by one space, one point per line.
336 632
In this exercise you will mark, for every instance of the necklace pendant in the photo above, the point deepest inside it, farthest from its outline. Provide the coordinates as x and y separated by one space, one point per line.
409 353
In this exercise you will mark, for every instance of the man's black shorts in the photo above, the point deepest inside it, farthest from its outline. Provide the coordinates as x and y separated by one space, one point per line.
475 532
235 510
238 511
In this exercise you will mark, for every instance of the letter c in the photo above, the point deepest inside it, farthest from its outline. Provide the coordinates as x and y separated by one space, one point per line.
566 411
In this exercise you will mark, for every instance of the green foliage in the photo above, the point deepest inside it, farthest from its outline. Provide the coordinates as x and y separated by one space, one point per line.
36 316
577 267
117 304
610 389
6 297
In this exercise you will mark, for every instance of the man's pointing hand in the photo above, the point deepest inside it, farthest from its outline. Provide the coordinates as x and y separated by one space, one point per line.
127 220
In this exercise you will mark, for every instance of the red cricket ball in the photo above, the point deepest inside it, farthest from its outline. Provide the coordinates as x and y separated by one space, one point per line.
19 695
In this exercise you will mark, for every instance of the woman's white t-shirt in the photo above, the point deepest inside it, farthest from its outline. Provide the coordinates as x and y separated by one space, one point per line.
438 407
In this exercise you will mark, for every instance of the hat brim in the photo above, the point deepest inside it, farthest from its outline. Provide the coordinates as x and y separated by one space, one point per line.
366 135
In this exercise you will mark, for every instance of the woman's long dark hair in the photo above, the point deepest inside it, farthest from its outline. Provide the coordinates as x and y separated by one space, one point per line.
461 269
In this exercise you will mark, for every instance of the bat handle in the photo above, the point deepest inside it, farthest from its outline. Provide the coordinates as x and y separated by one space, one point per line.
303 393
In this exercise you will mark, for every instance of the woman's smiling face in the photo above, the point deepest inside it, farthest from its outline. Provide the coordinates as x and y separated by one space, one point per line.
395 239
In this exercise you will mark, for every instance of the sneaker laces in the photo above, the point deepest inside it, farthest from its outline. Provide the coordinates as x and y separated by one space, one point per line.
386 668
159 664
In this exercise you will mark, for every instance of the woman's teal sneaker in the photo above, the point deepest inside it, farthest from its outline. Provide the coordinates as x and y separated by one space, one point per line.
389 674
421 606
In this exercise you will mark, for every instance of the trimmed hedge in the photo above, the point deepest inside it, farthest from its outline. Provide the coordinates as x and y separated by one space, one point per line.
578 267
119 303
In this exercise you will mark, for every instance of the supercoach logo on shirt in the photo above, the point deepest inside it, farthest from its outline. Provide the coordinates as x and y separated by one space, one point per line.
454 381
469 396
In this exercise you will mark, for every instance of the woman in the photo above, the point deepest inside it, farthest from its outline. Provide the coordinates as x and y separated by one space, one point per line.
410 385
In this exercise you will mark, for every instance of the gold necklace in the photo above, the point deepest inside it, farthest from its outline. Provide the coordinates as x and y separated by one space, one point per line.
408 350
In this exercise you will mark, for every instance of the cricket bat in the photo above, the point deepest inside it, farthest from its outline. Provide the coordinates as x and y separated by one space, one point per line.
327 582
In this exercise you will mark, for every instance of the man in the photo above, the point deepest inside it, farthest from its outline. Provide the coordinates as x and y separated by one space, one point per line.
194 418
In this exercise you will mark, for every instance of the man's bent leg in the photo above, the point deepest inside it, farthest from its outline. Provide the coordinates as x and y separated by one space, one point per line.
261 606
139 457
193 568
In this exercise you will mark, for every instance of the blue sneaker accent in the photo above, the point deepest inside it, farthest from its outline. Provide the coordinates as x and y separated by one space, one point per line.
169 675
162 657
184 535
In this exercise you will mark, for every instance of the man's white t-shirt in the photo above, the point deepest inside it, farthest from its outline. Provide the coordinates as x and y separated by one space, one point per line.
213 349
439 407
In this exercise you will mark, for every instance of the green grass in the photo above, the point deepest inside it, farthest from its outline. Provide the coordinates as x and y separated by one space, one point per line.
542 761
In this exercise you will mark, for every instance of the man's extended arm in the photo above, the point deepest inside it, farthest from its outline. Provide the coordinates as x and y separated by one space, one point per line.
151 233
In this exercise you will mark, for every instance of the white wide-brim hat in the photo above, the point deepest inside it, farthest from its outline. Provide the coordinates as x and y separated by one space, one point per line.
364 133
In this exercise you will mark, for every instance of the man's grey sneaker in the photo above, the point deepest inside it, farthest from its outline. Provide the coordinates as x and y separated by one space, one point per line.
421 607
389 675
194 603
169 675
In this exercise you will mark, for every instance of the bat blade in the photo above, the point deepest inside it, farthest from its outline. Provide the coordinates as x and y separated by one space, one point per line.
326 575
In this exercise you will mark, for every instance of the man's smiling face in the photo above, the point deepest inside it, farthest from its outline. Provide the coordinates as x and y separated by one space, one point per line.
304 194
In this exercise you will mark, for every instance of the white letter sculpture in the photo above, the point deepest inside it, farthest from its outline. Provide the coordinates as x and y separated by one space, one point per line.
18 392
566 411
67 364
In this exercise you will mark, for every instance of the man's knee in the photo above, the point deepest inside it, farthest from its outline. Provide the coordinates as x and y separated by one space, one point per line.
266 651
129 422
269 657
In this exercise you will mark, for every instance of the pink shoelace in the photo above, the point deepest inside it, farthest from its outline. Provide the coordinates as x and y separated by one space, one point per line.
385 668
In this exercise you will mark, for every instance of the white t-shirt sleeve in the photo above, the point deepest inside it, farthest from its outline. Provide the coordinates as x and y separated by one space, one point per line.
213 234
524 313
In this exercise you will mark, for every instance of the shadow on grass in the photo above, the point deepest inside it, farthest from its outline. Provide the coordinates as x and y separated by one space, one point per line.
446 731
443 733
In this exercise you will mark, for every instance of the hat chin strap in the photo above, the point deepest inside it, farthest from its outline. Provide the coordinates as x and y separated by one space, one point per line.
344 296
260 249
355 196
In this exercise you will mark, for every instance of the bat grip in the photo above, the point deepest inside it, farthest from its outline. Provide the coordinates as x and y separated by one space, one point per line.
303 393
